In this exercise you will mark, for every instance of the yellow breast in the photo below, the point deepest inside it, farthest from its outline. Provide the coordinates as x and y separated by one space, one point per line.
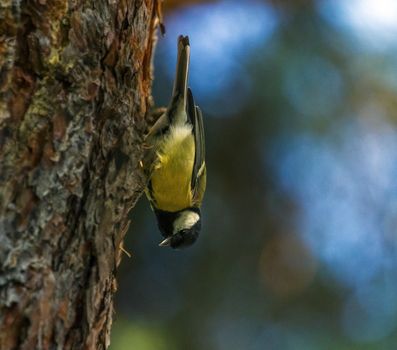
171 177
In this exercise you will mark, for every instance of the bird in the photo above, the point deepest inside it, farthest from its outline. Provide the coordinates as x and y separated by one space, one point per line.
177 178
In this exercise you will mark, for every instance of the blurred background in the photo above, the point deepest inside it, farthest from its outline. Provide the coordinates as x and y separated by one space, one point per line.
299 243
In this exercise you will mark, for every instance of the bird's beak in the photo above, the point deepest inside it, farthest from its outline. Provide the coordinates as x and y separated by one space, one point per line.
165 243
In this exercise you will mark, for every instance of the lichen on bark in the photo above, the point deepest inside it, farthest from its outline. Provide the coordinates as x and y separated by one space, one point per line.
75 80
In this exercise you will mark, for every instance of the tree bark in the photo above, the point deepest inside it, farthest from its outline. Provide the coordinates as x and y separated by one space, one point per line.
75 85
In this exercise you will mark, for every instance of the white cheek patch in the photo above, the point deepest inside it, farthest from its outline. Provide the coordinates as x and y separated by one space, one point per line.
185 220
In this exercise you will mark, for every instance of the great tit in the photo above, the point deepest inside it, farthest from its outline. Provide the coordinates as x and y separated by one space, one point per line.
178 175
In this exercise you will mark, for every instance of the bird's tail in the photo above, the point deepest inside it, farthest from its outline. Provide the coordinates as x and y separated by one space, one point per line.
182 67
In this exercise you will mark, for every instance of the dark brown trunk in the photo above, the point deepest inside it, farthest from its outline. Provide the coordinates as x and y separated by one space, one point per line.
75 80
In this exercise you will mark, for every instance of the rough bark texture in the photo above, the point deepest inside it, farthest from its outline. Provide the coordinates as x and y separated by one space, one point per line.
75 81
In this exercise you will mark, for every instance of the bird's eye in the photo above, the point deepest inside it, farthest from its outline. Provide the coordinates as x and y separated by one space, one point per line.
183 238
177 239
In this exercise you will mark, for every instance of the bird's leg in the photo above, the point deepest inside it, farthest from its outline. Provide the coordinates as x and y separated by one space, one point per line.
159 116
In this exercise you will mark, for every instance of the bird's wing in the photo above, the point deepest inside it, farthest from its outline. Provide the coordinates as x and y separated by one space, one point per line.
199 172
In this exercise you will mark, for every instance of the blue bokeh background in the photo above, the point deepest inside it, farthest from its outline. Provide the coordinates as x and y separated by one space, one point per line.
299 245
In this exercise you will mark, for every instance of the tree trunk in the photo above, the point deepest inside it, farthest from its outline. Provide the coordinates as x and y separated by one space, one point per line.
75 80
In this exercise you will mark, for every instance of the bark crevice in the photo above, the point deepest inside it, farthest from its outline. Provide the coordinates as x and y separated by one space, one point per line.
75 82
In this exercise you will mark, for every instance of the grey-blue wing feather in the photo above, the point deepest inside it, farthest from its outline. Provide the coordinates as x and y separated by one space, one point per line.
196 119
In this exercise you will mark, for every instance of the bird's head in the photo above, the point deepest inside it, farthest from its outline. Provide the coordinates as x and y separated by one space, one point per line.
185 227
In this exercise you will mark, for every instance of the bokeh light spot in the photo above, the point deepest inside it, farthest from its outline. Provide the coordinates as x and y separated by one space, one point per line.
345 188
286 265
374 22
363 325
313 86
223 36
129 335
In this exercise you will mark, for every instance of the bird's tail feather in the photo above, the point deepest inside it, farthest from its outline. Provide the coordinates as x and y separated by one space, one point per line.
182 67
